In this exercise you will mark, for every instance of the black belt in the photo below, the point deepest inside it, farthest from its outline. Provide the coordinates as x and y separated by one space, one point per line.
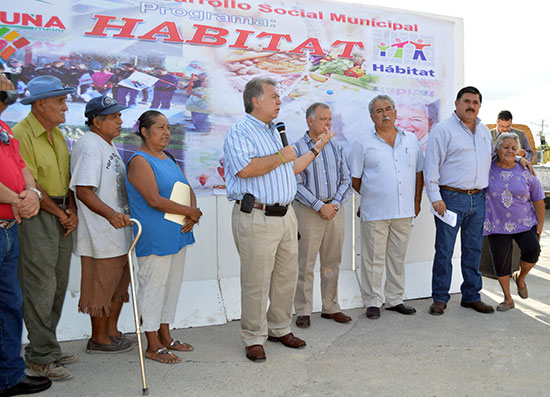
455 189
265 207
7 224
61 200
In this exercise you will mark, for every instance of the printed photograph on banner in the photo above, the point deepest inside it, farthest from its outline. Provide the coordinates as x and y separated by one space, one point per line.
192 60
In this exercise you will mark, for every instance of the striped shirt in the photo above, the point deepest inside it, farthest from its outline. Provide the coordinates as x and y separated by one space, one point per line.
248 139
326 178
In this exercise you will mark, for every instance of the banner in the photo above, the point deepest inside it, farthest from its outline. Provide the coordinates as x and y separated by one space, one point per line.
191 60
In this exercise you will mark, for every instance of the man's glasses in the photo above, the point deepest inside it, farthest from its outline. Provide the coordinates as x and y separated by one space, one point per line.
4 137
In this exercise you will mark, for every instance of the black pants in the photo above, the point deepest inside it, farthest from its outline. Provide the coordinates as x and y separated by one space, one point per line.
501 249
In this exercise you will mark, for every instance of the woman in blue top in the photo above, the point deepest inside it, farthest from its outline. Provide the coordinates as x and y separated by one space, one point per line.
151 175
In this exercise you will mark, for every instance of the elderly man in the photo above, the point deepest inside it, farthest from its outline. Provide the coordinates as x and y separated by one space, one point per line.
44 267
322 189
504 124
102 238
458 159
386 169
261 179
18 199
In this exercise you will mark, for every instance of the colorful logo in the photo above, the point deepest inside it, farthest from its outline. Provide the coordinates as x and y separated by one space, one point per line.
10 41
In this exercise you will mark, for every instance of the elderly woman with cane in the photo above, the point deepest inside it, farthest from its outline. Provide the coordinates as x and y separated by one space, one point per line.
514 211
152 174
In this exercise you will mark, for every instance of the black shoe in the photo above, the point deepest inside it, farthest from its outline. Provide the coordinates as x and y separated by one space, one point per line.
29 385
403 309
478 306
373 312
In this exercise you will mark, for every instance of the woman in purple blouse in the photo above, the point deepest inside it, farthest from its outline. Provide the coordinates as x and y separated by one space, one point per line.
514 211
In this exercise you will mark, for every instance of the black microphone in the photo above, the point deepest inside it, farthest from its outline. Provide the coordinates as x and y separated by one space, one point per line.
282 130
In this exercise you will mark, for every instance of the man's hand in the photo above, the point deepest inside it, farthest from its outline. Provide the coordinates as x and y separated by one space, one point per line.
119 220
440 207
195 214
187 225
29 204
417 207
69 221
323 140
522 152
527 164
327 212
288 153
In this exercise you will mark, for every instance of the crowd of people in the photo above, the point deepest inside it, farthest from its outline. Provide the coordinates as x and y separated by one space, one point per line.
288 210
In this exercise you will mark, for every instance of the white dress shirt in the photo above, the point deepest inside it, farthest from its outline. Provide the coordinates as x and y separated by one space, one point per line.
456 157
388 175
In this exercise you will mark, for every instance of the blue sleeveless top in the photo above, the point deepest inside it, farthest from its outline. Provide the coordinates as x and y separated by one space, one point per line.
160 236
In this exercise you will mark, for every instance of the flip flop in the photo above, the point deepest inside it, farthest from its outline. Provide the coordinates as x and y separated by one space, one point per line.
178 346
156 356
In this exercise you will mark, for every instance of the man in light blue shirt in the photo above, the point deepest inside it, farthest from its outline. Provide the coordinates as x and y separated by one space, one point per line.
386 169
261 179
458 158
322 189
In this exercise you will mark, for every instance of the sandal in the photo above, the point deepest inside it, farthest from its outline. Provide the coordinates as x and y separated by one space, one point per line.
161 355
178 346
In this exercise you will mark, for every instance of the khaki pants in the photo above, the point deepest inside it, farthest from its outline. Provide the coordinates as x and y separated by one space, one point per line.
325 238
160 280
268 249
43 274
384 245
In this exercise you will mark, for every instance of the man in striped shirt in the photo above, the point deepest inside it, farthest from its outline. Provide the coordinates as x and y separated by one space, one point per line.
261 179
322 189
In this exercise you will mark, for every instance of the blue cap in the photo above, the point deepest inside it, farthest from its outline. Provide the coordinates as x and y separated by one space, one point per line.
45 87
102 105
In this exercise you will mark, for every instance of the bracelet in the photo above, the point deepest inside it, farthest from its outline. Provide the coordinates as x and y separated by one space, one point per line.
281 156
38 193
314 151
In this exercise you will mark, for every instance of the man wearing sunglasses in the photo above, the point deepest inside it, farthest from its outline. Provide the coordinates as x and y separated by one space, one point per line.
18 199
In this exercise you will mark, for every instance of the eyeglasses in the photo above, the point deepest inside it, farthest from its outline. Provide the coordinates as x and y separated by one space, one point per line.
4 137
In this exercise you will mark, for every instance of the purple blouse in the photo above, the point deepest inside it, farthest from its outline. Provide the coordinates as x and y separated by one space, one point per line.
509 201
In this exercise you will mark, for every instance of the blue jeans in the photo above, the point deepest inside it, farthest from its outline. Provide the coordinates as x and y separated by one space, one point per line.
12 366
470 210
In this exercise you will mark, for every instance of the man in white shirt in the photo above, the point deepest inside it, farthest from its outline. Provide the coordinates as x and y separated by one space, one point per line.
386 169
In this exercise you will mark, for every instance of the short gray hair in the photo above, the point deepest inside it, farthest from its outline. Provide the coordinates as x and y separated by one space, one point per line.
380 98
310 112
255 89
507 135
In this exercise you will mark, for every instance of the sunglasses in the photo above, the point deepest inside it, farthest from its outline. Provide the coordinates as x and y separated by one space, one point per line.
4 137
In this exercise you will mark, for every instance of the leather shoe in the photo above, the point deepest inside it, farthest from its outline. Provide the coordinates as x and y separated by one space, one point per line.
288 340
303 321
503 306
403 309
438 308
373 312
29 384
478 306
338 317
255 353
522 291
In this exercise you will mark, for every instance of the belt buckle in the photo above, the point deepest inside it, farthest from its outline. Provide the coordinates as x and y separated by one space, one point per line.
471 192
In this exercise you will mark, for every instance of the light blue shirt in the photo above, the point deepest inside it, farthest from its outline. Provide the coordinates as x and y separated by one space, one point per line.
388 175
456 157
326 178
248 139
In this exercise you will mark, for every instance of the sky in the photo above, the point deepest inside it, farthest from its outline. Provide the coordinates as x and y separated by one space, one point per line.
506 53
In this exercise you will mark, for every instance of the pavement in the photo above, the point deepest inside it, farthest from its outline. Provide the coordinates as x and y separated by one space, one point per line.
462 353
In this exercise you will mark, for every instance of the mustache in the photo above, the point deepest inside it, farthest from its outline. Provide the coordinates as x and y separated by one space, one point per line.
386 118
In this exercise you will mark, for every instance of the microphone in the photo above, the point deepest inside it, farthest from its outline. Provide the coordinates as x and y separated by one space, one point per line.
282 130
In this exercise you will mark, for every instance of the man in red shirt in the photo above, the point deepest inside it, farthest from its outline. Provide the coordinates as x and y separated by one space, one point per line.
19 198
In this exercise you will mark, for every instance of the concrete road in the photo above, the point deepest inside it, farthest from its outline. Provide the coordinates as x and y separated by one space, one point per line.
462 353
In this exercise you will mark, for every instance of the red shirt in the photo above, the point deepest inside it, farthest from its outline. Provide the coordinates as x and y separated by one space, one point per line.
11 166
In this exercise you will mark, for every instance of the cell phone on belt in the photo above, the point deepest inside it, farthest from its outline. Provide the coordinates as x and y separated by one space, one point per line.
247 203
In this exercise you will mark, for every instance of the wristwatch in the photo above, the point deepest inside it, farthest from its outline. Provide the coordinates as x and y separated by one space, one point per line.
38 192
314 151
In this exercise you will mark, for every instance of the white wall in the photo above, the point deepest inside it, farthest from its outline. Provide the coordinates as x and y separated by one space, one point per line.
210 293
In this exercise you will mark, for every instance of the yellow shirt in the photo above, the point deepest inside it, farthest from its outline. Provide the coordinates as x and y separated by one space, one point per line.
49 164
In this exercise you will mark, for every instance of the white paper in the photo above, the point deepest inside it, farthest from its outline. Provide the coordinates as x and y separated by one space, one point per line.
181 194
449 217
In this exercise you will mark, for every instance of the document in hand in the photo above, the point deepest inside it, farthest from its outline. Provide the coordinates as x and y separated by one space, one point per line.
181 194
449 217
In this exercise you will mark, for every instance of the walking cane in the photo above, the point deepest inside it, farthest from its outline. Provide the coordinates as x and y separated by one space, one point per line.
134 304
